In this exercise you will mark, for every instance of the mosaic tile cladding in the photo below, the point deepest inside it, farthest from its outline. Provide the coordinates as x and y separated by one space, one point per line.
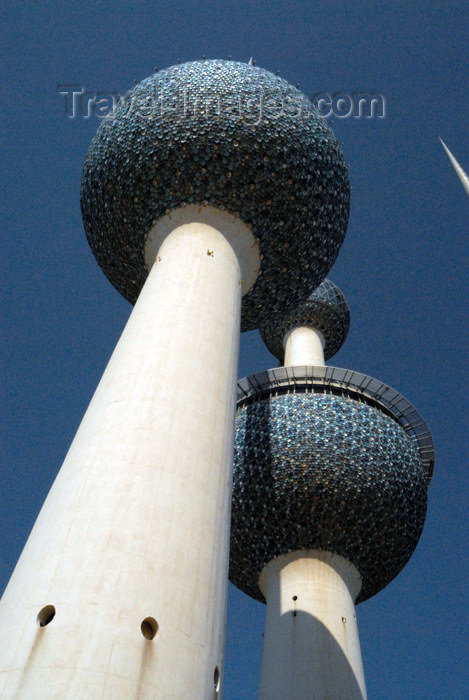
233 136
326 310
325 472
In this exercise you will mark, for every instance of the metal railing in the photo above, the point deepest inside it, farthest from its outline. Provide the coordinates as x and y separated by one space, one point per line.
345 382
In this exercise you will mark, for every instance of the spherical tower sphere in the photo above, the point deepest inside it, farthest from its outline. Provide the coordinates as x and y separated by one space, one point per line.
326 310
324 471
228 135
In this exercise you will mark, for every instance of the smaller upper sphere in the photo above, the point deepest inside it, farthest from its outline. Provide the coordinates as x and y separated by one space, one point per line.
326 310
232 136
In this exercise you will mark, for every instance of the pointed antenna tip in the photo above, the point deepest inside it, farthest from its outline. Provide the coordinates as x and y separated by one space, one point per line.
464 178
250 62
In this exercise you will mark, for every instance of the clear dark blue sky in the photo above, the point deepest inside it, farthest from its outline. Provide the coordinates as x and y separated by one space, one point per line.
401 266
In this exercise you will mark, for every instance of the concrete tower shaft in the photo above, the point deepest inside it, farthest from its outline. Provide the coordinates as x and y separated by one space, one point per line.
304 345
312 627
136 526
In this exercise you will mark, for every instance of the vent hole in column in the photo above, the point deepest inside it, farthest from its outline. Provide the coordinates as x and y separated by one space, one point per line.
149 627
46 615
216 680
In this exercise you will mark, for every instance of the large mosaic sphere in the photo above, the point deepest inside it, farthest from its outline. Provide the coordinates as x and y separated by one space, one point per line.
326 310
232 136
329 472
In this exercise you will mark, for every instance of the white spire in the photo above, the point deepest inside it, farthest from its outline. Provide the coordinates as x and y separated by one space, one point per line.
250 62
460 172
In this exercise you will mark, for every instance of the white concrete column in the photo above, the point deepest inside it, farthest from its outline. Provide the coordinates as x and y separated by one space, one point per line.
304 346
136 526
311 645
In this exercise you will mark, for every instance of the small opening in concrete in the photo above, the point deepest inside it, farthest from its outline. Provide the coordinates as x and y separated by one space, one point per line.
46 615
149 627
295 597
216 679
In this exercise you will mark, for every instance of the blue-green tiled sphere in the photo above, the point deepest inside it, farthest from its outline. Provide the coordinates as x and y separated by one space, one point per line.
322 471
326 310
233 136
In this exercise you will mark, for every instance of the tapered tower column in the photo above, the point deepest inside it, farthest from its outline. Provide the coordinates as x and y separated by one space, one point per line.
304 346
154 450
311 645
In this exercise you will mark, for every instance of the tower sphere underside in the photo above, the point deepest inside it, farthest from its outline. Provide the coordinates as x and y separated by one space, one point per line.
324 471
326 310
232 136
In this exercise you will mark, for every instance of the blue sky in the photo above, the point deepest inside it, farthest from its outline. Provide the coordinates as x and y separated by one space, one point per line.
401 266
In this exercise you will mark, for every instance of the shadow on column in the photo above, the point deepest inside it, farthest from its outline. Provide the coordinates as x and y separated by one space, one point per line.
305 662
